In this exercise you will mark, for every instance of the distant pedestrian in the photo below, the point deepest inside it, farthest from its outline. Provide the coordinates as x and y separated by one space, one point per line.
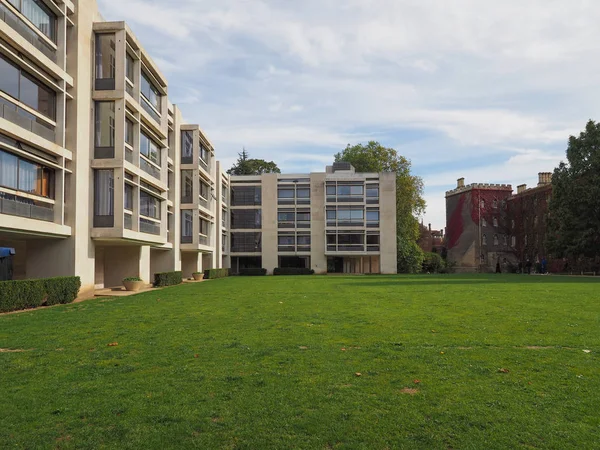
528 266
498 270
544 265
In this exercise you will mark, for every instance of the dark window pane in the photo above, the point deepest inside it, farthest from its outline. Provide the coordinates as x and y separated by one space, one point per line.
41 17
285 193
104 190
9 78
149 205
105 124
129 70
150 92
37 96
303 193
129 132
105 56
187 223
187 186
149 148
28 174
8 170
128 196
187 146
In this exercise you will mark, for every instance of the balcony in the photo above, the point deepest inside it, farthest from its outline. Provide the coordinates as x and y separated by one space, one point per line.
29 34
149 168
150 227
24 120
22 207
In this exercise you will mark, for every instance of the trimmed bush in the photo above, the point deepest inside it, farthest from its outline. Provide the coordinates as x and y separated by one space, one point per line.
24 294
253 272
61 290
163 279
292 271
211 274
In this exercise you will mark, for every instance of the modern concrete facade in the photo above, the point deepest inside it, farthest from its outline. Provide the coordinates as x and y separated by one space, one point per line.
338 221
92 153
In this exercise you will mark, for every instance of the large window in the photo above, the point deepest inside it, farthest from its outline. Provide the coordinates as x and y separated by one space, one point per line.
129 132
187 226
187 186
345 192
246 219
105 125
187 147
150 92
246 195
128 197
104 198
204 191
26 176
350 215
149 148
129 68
26 89
149 205
105 61
246 242
39 15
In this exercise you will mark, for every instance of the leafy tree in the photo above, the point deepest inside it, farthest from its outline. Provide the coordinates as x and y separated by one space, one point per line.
250 166
373 157
574 219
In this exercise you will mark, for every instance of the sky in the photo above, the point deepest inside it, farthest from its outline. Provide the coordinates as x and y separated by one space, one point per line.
489 91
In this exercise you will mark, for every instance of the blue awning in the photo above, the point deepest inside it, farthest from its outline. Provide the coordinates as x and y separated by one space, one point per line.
6 251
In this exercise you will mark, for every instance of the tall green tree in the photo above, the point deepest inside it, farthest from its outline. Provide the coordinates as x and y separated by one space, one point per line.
374 157
574 219
251 166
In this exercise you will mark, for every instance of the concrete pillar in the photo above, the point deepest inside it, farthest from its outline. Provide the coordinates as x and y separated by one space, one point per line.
144 264
387 219
317 220
269 222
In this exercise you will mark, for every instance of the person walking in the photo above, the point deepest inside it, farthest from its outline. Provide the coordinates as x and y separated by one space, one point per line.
528 266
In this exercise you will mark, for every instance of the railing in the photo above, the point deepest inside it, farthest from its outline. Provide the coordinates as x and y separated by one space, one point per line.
21 209
128 222
150 110
149 168
10 114
24 30
147 226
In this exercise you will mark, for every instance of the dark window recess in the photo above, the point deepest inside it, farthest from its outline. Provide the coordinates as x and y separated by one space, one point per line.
246 242
104 199
105 62
104 133
26 176
245 262
246 196
246 219
187 147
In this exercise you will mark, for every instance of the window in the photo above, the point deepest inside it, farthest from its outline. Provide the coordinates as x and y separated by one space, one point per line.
187 186
525 240
495 221
286 216
285 193
372 216
246 242
105 59
303 216
350 215
149 148
482 204
303 193
372 239
26 89
495 204
204 153
535 221
372 192
483 222
330 190
187 224
286 240
204 227
246 219
104 196
39 15
513 241
496 239
128 132
303 240
129 67
484 239
150 93
246 195
204 191
23 175
128 197
149 205
505 240
512 224
187 147
105 124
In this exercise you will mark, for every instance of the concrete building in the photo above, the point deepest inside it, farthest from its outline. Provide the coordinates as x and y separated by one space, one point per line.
99 175
486 224
338 221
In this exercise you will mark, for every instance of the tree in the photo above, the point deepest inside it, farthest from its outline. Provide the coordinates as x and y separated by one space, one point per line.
250 166
574 210
373 157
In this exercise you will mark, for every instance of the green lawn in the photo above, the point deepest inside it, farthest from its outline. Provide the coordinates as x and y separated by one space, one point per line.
271 362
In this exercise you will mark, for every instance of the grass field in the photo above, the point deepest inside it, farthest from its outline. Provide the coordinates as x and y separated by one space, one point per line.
446 362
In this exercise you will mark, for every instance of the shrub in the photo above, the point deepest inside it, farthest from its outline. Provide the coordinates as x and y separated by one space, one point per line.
132 279
163 279
61 290
292 271
254 272
211 274
432 263
24 294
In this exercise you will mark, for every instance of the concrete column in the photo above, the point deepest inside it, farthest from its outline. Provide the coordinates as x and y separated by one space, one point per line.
269 222
387 219
144 264
317 222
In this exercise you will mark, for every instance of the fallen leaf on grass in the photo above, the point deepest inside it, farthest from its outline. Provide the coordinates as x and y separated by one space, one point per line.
587 351
358 374
409 391
113 344
503 370
302 347
416 381
343 349
441 353
196 355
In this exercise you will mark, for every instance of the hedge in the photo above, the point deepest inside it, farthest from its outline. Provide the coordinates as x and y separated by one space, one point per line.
254 272
292 271
163 279
24 294
211 274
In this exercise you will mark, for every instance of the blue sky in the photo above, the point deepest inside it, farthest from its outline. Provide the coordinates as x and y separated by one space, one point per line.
489 91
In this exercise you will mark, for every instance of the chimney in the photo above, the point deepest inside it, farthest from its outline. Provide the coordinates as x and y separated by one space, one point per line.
521 188
460 183
430 228
544 178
